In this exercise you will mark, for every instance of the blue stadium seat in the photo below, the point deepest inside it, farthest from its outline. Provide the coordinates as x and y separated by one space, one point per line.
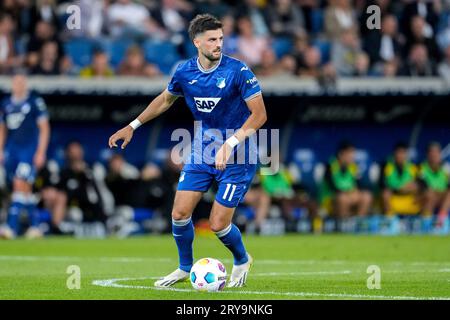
317 20
117 50
189 49
325 49
162 53
306 161
80 51
281 46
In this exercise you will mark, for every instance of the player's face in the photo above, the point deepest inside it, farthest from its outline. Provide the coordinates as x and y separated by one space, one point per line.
19 86
434 155
401 156
210 43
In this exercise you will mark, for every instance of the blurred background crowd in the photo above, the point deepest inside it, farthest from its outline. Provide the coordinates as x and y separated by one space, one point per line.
316 38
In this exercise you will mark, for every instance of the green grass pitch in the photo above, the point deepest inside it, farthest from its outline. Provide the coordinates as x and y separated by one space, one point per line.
286 267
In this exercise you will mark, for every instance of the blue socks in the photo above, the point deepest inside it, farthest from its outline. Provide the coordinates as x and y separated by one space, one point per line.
183 232
31 208
232 239
21 201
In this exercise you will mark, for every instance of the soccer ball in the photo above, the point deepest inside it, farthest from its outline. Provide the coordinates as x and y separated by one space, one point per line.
208 274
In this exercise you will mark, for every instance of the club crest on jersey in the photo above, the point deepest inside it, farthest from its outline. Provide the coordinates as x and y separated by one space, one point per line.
220 83
206 104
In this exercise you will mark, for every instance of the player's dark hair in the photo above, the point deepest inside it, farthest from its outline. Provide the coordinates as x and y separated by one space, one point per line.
202 23
433 144
344 146
400 146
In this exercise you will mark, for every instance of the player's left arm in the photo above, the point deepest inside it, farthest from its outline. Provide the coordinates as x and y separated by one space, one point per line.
255 121
43 125
44 138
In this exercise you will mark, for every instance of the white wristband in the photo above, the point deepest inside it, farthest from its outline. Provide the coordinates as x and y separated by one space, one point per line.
232 141
135 124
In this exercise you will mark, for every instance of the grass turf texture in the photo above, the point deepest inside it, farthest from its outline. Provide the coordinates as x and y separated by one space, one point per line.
286 267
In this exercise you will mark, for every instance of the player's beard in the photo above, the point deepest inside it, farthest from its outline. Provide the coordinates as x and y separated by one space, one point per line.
211 57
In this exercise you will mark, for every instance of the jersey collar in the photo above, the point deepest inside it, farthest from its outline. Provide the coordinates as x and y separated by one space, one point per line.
209 70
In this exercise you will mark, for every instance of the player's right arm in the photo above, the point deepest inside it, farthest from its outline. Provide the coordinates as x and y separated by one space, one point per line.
3 133
159 105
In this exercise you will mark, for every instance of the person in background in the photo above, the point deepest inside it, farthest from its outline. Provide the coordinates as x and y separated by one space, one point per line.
25 134
99 68
135 65
78 182
343 184
435 184
398 177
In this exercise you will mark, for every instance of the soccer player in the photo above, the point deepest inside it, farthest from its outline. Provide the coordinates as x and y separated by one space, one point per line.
224 94
25 128
435 184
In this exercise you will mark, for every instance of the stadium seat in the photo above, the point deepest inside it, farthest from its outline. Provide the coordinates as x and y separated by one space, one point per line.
162 53
117 50
317 20
305 160
281 46
80 51
325 49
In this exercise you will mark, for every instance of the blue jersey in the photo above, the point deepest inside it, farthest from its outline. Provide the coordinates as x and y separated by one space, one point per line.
216 97
21 118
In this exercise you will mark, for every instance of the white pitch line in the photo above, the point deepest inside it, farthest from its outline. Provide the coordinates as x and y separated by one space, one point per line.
113 283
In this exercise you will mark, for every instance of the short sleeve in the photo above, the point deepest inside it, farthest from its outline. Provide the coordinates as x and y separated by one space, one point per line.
41 109
174 86
247 83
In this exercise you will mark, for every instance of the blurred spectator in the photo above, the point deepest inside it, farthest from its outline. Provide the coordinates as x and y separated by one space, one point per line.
44 32
444 66
419 35
78 182
134 64
8 58
435 184
93 17
52 198
269 65
418 64
99 67
384 45
48 64
308 7
122 176
250 46
285 19
230 44
343 184
310 64
362 64
345 52
398 178
339 18
217 8
173 16
44 10
258 199
427 10
127 19
388 8
257 15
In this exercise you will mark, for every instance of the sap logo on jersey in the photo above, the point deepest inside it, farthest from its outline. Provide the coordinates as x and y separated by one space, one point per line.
206 104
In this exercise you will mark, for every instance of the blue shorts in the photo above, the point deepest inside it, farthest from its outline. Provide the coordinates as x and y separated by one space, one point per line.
19 164
233 182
